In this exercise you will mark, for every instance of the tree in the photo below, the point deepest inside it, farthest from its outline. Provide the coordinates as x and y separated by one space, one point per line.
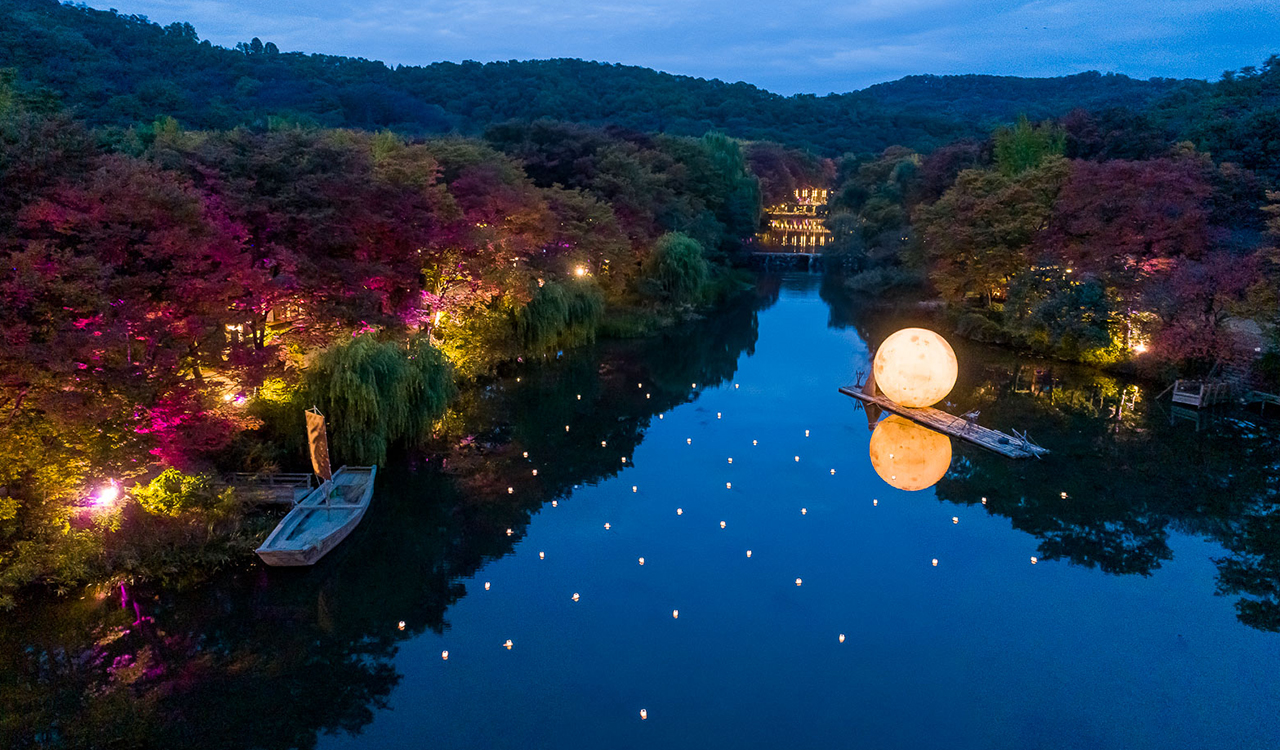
676 268
1025 146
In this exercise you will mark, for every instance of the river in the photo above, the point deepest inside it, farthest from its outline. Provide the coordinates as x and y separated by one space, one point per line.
706 557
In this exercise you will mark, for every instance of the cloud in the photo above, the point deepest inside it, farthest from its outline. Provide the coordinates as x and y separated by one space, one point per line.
804 45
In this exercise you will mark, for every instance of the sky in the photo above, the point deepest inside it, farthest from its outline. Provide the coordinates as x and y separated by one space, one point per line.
786 47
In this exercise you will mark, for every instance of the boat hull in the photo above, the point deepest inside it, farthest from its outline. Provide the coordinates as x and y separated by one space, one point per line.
316 525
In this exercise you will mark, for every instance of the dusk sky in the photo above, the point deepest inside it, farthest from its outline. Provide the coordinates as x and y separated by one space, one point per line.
787 47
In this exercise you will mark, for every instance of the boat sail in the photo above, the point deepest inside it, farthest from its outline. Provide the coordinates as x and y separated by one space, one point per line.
322 519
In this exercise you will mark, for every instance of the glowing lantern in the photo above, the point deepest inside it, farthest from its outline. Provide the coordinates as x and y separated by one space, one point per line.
915 367
688 441
804 511
748 553
508 644
908 456
935 562
833 472
798 581
735 386
511 490
566 428
955 519
755 442
554 503
444 655
717 415
679 511
797 459
400 625
984 501
675 614
635 488
806 433
606 526
624 459
875 503
661 416
842 637
579 396
722 524
728 485
486 585
1034 561
580 271
575 596
542 555
642 561
510 532
526 454
643 714
535 472
108 495
603 444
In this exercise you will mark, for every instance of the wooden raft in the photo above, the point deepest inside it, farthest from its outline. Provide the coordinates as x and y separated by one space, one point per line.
992 440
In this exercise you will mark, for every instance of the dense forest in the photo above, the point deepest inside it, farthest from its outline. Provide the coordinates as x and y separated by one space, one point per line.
113 69
198 241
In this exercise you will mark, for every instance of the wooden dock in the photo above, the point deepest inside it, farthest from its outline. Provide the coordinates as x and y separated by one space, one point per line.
271 489
947 424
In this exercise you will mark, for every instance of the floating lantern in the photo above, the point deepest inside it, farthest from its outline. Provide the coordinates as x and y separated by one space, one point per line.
400 625
688 441
797 459
508 644
679 511
1034 561
748 553
603 444
731 460
755 442
566 428
639 385
643 714
842 637
675 614
579 396
984 501
935 562
833 472
635 488
722 524
804 511
444 655
735 386
717 415
526 454
915 367
646 395
535 472
908 456
554 503
728 485
798 582
511 490
510 532
624 459
955 519
642 561
575 596
660 416
875 503
606 526
806 433
693 385
486 585
542 555
1064 496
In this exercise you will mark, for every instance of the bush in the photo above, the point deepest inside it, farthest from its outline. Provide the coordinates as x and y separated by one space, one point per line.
980 328
676 269
173 493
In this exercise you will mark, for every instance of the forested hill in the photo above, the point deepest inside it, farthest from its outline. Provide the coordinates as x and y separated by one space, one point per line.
114 69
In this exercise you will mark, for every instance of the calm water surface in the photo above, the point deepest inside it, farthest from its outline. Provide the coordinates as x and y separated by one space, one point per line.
1148 620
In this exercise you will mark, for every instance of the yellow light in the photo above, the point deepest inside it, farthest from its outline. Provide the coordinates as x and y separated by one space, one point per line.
575 596
735 386
444 655
806 433
935 562
1139 348
642 561
722 524
955 519
679 511
486 585
798 581
607 527
508 644
755 442
731 460
874 503
748 553
728 485
842 637
833 472
526 454
915 367
555 503
908 456
535 472
804 511
400 625
580 271
566 428
797 459
635 488
511 490
643 714
675 614
542 555
603 443
1034 561
689 441
509 532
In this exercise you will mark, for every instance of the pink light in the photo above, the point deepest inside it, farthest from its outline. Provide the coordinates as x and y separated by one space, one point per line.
107 495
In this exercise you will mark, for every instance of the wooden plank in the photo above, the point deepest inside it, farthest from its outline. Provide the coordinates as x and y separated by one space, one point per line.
992 440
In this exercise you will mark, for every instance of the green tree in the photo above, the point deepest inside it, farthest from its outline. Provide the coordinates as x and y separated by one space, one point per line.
1025 146
676 269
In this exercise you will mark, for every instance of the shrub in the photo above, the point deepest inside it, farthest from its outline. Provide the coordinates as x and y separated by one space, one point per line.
174 492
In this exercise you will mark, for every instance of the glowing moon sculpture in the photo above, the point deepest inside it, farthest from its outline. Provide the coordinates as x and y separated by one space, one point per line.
908 456
915 367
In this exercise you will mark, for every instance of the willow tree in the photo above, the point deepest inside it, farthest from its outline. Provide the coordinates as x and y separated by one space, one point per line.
676 269
559 313
375 393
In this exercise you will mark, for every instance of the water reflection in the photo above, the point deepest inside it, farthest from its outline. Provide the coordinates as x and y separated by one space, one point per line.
908 456
274 658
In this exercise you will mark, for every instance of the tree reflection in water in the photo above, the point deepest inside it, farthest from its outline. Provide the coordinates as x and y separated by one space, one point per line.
1124 470
271 658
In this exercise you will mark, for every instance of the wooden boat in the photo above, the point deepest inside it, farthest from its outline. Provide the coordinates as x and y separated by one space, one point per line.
322 519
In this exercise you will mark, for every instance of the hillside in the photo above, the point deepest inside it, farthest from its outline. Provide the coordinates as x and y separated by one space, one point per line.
119 70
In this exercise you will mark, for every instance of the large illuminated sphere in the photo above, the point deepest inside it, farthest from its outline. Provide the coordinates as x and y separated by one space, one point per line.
908 456
915 367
